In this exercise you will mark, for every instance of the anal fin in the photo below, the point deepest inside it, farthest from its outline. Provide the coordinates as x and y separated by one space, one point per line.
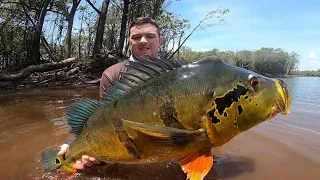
197 164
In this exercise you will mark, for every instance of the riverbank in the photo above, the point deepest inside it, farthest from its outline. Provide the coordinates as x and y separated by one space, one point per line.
73 72
31 84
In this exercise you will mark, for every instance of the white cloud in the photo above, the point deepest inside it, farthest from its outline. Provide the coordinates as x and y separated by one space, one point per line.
316 61
314 58
313 55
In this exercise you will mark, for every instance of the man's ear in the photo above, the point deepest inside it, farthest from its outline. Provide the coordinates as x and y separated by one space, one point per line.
130 47
160 39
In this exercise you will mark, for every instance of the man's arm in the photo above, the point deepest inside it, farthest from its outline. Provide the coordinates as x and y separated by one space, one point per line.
110 76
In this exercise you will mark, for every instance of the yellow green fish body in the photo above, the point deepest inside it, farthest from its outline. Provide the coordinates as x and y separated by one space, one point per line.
158 111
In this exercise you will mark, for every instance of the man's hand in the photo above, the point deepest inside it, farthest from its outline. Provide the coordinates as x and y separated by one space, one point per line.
84 162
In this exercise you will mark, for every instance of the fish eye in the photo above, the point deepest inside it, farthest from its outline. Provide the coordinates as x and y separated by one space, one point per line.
254 81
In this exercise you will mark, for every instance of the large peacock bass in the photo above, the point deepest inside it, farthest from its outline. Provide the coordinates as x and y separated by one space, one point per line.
160 110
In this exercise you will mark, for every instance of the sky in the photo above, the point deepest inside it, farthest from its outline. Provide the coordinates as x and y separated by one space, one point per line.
292 25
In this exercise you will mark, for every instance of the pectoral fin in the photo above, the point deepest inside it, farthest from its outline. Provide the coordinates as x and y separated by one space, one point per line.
197 165
163 134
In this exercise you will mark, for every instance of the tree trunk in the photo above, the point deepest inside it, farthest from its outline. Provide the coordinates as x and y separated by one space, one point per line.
111 37
124 20
100 30
74 7
80 34
38 31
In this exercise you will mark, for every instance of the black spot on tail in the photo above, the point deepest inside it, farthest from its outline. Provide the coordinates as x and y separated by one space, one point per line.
58 161
124 138
229 98
168 113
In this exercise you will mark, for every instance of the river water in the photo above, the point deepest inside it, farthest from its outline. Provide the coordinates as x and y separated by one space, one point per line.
288 147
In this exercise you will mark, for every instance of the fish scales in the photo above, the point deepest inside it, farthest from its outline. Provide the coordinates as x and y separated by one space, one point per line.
172 101
161 111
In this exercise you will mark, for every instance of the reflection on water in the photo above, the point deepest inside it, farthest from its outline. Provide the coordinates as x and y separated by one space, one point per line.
33 121
305 90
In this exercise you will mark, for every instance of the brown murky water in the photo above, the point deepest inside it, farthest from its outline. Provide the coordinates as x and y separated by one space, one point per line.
288 147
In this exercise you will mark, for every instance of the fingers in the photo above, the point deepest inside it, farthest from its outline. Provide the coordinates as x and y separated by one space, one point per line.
63 150
78 165
94 160
86 162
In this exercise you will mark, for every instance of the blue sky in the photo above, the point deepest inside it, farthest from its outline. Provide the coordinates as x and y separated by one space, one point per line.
292 25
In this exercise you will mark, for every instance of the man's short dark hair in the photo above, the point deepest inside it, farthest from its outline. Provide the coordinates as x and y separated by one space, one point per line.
144 20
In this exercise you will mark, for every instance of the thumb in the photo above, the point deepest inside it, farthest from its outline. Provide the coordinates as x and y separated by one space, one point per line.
63 150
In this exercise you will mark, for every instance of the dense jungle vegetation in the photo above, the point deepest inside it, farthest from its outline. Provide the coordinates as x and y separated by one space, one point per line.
51 42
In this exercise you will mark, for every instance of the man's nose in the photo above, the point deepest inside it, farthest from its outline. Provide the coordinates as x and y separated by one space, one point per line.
143 40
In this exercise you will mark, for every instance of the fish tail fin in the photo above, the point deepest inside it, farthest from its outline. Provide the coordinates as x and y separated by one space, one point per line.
50 159
197 164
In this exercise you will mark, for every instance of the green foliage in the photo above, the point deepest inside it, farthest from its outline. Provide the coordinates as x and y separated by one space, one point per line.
17 30
273 61
267 61
18 24
16 47
148 8
315 73
171 29
112 30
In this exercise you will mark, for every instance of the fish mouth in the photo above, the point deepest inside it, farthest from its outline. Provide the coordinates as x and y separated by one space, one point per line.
283 100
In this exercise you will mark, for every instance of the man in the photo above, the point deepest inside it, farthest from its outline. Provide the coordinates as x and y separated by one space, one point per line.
144 39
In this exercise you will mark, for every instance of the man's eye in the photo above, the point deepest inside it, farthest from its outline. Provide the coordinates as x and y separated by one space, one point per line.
151 36
135 37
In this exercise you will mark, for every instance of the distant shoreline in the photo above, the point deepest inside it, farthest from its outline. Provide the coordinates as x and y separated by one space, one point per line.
287 76
25 85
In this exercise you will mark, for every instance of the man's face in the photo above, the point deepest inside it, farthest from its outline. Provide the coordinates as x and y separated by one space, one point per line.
144 39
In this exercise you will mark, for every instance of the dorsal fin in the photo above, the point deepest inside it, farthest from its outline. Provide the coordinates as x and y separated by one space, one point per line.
137 73
78 114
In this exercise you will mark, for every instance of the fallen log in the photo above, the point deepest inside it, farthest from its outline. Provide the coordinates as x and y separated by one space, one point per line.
37 68
46 81
94 80
73 71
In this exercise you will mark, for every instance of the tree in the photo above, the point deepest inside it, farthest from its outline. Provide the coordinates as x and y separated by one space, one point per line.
274 61
70 18
202 25
243 59
100 29
171 29
40 15
124 20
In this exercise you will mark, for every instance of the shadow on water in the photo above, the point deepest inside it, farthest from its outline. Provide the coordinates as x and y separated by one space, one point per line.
225 167
229 167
